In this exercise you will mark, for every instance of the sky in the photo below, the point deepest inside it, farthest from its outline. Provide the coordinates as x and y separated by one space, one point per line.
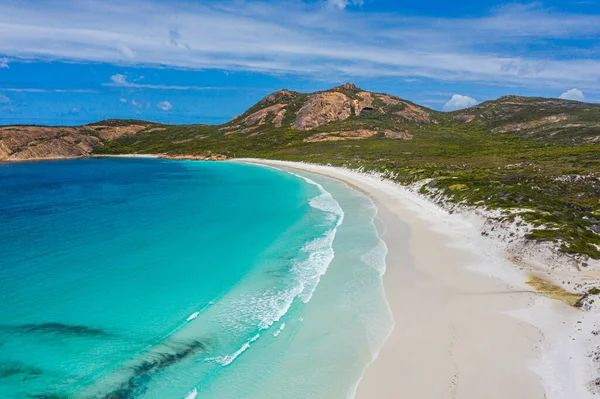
66 62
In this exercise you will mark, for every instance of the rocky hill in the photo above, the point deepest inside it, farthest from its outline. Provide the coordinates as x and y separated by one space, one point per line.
43 142
342 113
287 118
538 118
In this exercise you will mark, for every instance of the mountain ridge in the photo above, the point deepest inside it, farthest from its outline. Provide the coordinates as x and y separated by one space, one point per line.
342 113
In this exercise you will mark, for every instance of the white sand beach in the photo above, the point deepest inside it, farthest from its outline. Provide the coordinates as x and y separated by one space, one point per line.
466 324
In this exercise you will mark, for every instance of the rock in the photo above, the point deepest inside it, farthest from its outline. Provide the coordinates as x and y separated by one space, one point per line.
322 108
19 143
341 136
278 96
260 117
37 142
414 114
390 134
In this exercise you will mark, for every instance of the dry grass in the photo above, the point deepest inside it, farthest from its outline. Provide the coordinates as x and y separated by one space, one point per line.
553 291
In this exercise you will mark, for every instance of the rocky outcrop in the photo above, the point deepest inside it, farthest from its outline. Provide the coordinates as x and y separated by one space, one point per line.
260 117
516 127
415 114
466 118
35 142
359 134
389 100
390 134
278 120
323 108
279 96
256 119
20 143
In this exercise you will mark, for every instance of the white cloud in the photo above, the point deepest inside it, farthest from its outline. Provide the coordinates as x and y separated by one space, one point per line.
123 100
4 62
260 37
165 105
126 51
342 4
573 94
120 80
459 102
140 103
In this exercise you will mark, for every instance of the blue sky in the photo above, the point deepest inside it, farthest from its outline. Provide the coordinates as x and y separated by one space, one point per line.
200 61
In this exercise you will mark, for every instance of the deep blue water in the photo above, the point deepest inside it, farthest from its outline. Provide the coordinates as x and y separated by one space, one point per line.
145 278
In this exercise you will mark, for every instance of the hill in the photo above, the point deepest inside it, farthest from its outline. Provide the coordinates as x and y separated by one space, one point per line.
20 142
534 160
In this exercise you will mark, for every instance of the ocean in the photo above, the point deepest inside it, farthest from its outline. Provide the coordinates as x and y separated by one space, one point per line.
148 278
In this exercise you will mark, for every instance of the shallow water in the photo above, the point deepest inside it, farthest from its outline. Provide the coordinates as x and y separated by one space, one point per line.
144 278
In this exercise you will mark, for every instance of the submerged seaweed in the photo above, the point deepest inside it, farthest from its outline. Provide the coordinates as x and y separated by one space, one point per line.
70 330
137 384
9 369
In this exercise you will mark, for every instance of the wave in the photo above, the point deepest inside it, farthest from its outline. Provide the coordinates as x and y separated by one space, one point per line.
271 305
321 253
279 330
193 316
376 257
228 359
192 394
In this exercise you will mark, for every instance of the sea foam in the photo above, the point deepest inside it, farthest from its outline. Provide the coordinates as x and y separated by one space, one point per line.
192 394
270 306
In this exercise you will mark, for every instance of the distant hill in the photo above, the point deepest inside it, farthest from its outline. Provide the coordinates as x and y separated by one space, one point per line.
284 118
19 142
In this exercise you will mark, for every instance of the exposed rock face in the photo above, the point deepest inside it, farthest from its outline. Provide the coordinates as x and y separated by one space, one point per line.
260 117
390 134
366 103
414 114
280 96
345 86
515 127
466 118
389 100
278 121
43 142
34 142
322 108
340 136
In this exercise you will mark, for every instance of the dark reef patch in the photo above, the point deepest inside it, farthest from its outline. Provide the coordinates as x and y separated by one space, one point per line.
137 384
10 369
70 330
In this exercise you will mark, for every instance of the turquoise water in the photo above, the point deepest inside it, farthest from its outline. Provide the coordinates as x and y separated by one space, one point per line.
145 278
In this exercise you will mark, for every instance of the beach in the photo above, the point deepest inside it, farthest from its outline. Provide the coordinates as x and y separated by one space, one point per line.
466 324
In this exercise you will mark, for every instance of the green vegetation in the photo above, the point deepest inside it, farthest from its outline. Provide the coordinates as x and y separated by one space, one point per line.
536 159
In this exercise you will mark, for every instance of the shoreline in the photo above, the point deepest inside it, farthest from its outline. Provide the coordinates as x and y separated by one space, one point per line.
466 323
